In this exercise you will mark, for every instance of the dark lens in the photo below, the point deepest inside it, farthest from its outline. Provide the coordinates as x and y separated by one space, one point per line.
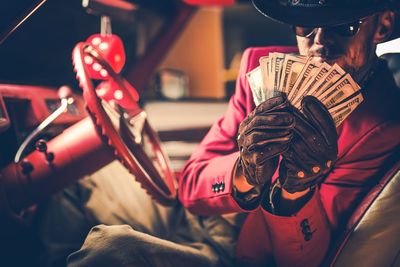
347 30
303 31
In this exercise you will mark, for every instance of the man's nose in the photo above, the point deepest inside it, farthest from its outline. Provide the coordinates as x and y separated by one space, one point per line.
322 36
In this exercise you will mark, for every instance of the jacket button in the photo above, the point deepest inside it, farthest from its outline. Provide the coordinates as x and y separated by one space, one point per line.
213 187
307 233
306 230
307 237
222 186
304 223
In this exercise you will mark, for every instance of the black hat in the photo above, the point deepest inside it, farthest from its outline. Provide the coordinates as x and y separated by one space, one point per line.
312 13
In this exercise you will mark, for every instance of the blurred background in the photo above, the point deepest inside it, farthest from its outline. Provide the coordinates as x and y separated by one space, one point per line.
207 51
182 59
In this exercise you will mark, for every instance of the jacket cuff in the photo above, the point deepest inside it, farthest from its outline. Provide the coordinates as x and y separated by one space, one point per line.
304 236
271 199
211 193
249 200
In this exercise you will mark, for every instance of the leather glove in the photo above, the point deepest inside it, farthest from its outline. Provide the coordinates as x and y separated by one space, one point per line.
313 149
263 135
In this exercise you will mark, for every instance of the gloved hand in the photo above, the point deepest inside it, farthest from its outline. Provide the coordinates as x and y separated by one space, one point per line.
313 149
263 135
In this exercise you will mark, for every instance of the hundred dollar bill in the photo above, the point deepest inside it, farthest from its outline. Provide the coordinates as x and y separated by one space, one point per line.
308 71
343 110
333 75
270 80
267 81
269 65
291 68
254 78
306 89
277 61
339 91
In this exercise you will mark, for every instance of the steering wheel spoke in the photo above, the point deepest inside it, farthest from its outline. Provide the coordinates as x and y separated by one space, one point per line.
114 109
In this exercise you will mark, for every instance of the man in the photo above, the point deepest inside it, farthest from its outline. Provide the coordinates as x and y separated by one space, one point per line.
313 190
294 177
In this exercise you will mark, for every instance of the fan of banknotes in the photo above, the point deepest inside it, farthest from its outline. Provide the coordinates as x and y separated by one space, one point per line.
298 76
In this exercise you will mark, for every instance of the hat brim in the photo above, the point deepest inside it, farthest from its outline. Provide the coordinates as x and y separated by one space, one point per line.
315 16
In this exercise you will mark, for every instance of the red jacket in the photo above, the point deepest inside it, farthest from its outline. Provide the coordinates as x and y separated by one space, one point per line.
367 139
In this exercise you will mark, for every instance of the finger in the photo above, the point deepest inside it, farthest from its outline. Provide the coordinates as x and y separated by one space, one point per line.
262 138
293 167
272 121
275 103
311 142
319 116
268 145
302 122
313 162
316 149
249 173
265 171
261 155
286 178
259 173
295 180
311 135
306 131
246 121
304 164
303 156
265 145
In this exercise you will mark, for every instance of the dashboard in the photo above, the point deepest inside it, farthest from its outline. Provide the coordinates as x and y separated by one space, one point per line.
24 107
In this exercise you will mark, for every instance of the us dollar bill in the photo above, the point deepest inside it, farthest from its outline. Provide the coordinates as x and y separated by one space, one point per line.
339 91
300 76
306 89
308 71
267 81
255 80
340 112
277 62
333 75
271 66
291 69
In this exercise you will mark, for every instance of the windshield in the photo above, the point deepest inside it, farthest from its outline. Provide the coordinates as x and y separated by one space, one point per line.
40 51
13 13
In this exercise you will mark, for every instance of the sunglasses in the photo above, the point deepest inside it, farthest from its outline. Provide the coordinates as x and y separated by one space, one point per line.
344 30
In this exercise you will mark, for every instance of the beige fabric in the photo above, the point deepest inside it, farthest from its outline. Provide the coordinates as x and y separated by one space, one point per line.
375 242
120 245
117 198
140 228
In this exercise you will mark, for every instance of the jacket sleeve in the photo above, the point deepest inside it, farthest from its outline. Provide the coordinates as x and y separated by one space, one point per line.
303 238
205 186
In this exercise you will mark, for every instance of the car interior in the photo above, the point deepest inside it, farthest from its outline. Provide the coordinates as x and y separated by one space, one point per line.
107 88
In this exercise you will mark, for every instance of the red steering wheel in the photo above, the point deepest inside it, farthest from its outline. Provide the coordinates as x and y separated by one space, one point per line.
124 125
